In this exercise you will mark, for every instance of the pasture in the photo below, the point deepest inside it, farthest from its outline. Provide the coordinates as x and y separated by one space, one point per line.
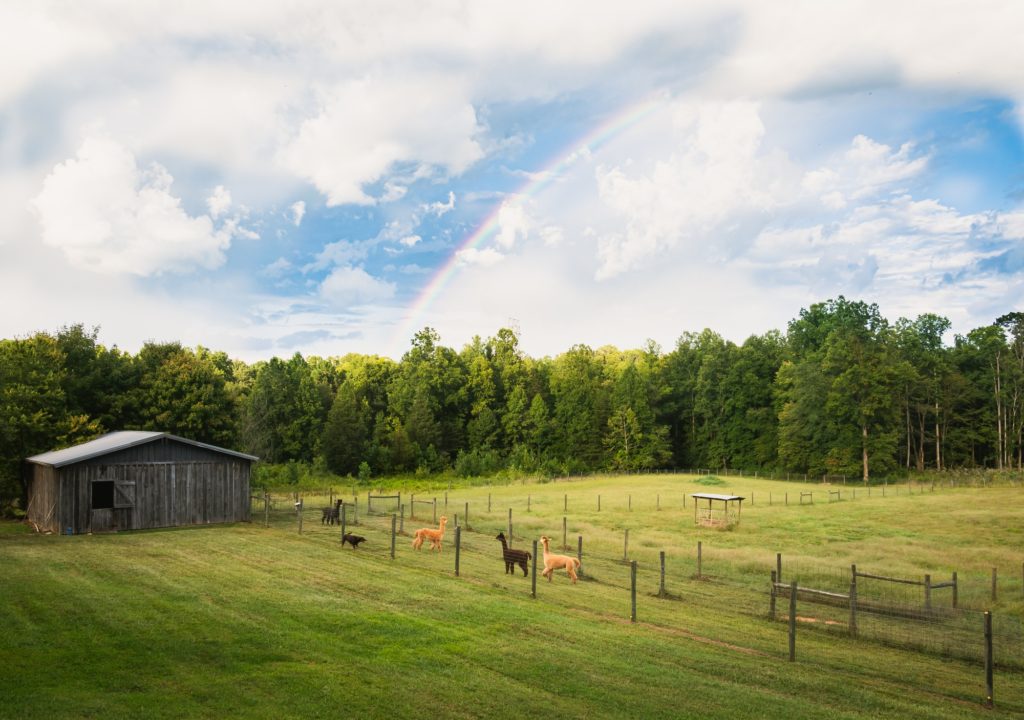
244 620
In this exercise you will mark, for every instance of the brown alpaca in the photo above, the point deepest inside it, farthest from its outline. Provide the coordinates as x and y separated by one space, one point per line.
435 536
554 562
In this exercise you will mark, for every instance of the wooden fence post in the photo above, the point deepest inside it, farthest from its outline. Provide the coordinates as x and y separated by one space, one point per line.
988 658
529 500
565 503
533 560
466 518
393 521
446 501
412 506
401 519
632 590
792 621
565 537
625 547
853 606
599 503
266 509
355 511
994 575
579 553
772 596
661 586
298 506
488 502
927 591
435 511
778 566
699 559
458 548
341 510
510 526
955 589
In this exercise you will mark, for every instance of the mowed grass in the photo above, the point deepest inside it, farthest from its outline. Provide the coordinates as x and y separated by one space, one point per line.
247 621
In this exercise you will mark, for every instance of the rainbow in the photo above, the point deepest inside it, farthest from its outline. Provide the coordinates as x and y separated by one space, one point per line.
538 182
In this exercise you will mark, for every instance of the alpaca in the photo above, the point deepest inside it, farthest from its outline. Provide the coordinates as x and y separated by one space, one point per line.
513 557
554 562
352 540
331 515
435 536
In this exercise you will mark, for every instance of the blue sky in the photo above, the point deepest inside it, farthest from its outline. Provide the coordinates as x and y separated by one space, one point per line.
264 179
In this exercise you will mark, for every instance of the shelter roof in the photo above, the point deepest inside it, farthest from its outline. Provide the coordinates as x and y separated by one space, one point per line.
120 440
716 496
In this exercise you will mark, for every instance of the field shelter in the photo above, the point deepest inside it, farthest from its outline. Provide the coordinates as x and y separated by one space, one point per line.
708 512
134 480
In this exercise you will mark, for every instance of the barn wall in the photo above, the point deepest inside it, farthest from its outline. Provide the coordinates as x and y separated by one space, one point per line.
166 494
43 498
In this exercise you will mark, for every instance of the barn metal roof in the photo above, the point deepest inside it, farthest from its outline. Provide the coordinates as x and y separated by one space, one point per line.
120 440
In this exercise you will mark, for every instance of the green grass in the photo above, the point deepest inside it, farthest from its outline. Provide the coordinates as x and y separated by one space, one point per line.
250 621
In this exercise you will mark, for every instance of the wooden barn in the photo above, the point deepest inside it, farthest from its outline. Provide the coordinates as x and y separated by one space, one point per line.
132 480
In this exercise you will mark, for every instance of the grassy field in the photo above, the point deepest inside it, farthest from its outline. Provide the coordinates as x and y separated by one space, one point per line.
251 621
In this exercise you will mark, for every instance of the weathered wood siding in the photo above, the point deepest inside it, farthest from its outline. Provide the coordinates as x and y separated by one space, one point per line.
165 494
43 501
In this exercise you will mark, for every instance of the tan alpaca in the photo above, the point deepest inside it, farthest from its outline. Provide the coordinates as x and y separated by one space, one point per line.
554 562
435 536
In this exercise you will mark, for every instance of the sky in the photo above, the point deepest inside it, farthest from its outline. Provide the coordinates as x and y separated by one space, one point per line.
328 177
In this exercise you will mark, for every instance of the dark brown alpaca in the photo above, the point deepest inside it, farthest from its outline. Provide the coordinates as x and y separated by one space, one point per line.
331 515
513 557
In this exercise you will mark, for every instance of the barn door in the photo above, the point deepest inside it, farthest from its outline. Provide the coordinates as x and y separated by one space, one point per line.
124 494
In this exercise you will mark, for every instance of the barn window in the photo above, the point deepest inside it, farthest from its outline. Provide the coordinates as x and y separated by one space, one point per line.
102 494
124 494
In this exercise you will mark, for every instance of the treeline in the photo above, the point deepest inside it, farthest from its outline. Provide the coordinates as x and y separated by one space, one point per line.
842 391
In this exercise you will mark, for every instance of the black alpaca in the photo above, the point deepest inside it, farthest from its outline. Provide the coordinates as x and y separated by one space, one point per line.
331 515
513 557
352 540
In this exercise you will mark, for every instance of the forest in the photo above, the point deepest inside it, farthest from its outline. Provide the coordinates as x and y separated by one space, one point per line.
843 391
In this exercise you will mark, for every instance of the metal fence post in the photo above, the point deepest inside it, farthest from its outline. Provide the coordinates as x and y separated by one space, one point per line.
632 591
393 520
533 572
792 621
458 548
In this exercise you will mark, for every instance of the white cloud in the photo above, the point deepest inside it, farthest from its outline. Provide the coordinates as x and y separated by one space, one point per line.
410 240
219 201
364 127
476 256
298 210
441 208
350 286
514 224
277 268
106 214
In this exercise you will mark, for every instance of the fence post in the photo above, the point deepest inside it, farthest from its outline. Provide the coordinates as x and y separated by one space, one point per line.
994 574
435 511
266 509
699 559
355 511
853 606
778 566
529 500
342 518
533 561
661 586
466 518
955 589
458 548
401 518
393 520
787 499
599 503
412 506
565 503
632 590
510 527
579 553
988 658
772 596
625 547
565 537
446 500
928 592
299 508
792 621
488 502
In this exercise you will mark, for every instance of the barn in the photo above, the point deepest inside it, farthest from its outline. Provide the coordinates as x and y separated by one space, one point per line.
134 480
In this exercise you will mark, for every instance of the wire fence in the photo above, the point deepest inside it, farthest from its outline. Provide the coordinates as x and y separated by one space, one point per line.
926 614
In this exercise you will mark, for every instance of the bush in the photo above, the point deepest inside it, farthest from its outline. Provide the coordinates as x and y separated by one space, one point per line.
478 462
